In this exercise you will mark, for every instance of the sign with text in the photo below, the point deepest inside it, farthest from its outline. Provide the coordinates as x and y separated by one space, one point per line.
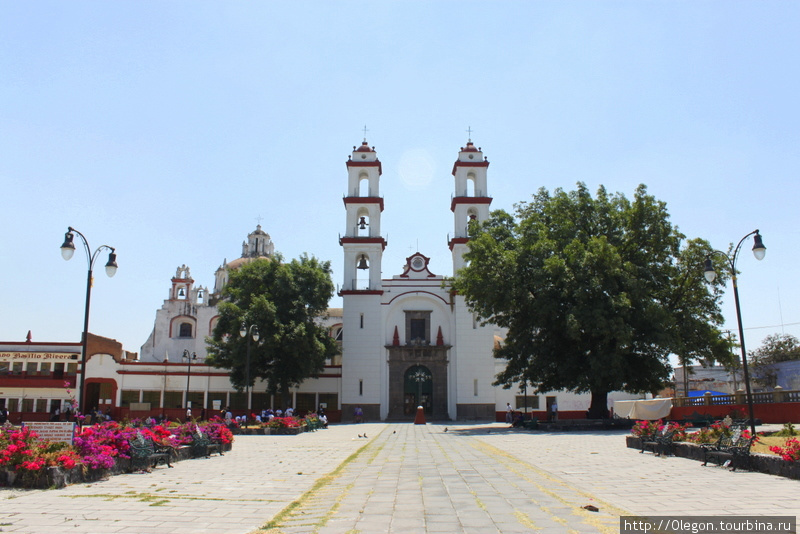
52 431
61 356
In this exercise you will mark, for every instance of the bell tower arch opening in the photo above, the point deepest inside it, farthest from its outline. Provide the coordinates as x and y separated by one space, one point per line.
363 185
362 272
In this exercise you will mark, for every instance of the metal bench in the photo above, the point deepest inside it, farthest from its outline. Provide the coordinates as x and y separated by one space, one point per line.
730 450
660 442
146 454
202 446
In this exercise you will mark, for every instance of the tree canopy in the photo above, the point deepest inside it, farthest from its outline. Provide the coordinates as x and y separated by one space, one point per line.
595 293
775 348
283 301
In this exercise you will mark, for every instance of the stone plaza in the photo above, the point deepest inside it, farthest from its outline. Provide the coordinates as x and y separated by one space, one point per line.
384 477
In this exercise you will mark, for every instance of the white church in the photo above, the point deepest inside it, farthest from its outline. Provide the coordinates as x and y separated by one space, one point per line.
410 340
407 341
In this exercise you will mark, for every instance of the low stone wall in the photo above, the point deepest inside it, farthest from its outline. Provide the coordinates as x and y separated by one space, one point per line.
761 463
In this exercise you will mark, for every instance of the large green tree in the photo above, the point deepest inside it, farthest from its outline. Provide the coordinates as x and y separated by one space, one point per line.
595 292
284 301
776 348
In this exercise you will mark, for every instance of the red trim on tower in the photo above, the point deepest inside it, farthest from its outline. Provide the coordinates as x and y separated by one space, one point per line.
469 200
376 163
363 200
469 164
360 240
360 292
457 241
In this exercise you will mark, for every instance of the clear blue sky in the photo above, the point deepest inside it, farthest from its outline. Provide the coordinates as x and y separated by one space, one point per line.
165 129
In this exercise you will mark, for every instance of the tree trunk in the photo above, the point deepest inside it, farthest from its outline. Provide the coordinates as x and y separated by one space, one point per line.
286 398
599 406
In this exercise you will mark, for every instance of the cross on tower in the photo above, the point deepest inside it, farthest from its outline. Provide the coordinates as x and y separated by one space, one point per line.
365 133
259 219
469 134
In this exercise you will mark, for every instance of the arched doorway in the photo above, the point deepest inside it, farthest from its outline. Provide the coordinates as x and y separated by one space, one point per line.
417 389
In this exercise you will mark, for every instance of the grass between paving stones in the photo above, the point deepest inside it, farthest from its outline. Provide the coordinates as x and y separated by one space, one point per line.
285 516
514 464
155 500
525 520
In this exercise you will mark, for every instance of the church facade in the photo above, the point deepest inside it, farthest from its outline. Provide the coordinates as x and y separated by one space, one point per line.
410 340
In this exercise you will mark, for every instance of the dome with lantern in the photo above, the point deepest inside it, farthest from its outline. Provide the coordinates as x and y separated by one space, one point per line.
258 246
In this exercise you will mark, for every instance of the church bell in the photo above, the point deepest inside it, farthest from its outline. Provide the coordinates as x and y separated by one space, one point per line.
362 225
362 263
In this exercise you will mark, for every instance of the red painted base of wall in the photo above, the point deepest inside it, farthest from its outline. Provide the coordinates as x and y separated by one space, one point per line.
778 412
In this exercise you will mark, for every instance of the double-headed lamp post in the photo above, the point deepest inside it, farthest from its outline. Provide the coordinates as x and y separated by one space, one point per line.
188 357
249 332
67 250
759 250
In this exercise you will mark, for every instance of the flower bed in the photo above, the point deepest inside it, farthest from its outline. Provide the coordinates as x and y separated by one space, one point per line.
97 451
688 445
280 426
285 426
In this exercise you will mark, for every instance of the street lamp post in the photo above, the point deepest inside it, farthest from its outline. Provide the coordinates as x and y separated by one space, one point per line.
420 376
759 250
189 357
250 332
67 250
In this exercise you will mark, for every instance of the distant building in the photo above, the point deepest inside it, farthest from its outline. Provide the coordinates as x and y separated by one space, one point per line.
706 378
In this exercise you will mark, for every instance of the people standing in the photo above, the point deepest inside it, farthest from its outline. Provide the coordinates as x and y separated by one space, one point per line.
509 413
554 411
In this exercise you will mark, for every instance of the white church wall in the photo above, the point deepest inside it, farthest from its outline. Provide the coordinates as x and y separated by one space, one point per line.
363 350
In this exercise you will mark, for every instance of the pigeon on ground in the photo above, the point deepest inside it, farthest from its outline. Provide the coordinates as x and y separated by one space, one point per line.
591 508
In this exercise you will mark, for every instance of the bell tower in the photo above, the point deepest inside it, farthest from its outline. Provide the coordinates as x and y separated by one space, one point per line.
471 371
363 359
362 243
471 200
181 284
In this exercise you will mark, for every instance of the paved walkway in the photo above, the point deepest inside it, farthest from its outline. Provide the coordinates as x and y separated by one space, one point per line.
402 478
